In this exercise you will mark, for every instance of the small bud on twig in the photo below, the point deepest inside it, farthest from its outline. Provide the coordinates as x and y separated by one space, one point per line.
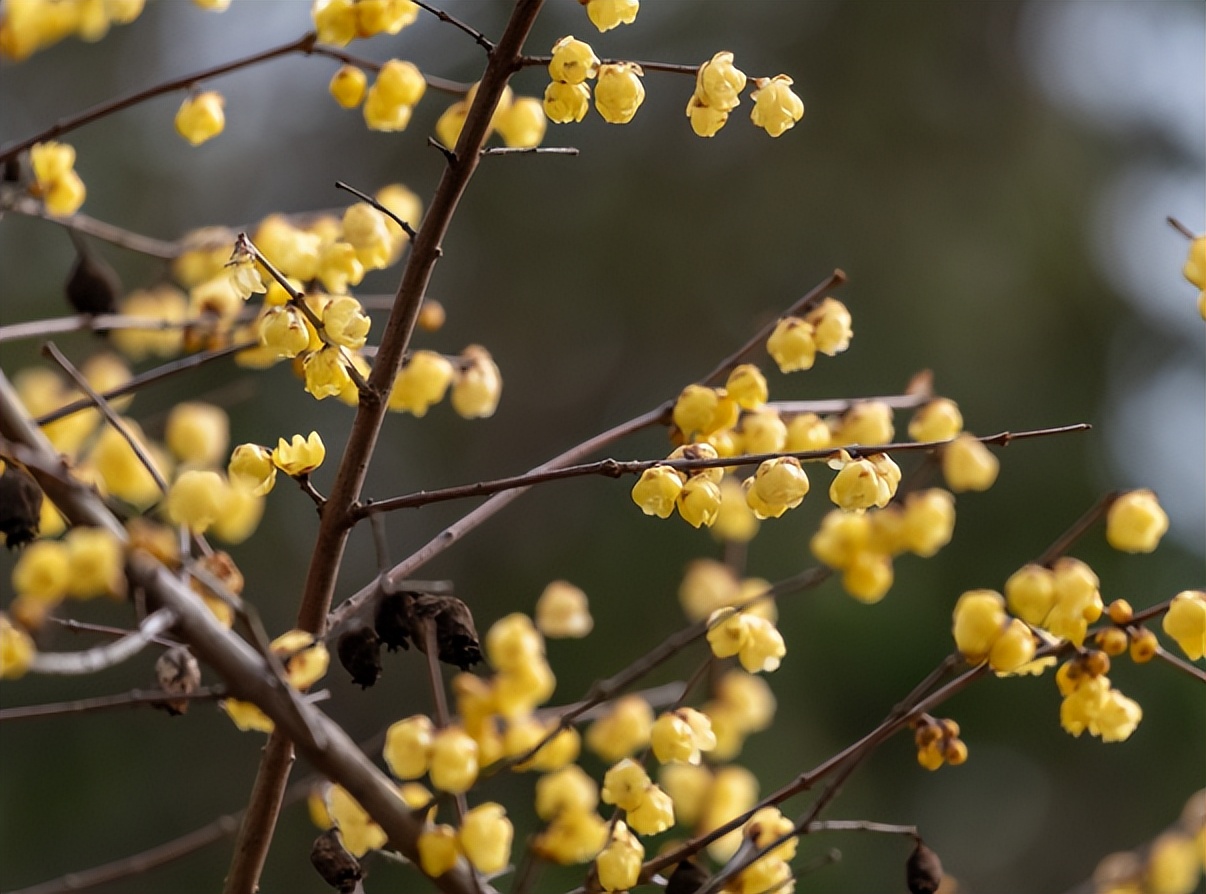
923 871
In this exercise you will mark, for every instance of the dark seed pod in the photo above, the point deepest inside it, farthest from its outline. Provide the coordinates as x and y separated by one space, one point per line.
93 286
179 674
923 872
392 621
20 506
455 634
687 878
359 652
338 868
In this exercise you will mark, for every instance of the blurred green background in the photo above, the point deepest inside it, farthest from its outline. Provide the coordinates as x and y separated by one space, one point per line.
994 179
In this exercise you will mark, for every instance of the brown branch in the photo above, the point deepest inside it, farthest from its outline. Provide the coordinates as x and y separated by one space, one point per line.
671 67
1181 664
107 232
1078 529
301 45
259 819
612 468
336 520
478 37
135 698
89 322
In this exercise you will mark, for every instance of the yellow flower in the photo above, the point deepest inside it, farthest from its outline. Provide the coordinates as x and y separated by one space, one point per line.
681 735
792 345
326 372
862 483
1185 622
1012 649
573 836
776 107
400 82
335 21
95 557
16 650
348 85
485 837
512 642
573 61
59 186
247 717
569 788
968 465
198 433
979 621
608 14
1135 522
300 457
781 482
196 499
619 863
562 611
623 730
345 323
619 92
705 120
357 830
718 83
284 331
477 385
453 760
699 501
929 521
366 230
449 125
43 571
564 103
867 422
201 117
438 849
938 420
868 576
831 326
251 468
422 382
1030 592
164 303
654 814
522 124
1195 264
407 749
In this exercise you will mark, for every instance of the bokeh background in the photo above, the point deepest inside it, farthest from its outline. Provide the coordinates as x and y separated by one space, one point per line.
993 177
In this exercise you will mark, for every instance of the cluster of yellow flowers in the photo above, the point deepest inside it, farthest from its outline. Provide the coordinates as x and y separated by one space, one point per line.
55 181
618 91
339 22
938 742
27 26
1091 703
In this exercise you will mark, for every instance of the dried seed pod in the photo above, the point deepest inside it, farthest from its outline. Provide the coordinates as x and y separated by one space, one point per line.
338 868
923 871
179 674
93 286
392 621
687 878
20 506
455 635
359 652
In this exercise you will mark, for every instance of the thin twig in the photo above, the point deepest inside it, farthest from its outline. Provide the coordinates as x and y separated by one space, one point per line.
1181 664
1078 528
1181 228
104 109
107 232
159 373
612 468
99 658
478 38
365 197
530 150
74 626
90 322
671 67
50 350
133 699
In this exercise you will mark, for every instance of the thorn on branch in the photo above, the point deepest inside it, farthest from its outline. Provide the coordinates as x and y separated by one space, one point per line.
449 155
